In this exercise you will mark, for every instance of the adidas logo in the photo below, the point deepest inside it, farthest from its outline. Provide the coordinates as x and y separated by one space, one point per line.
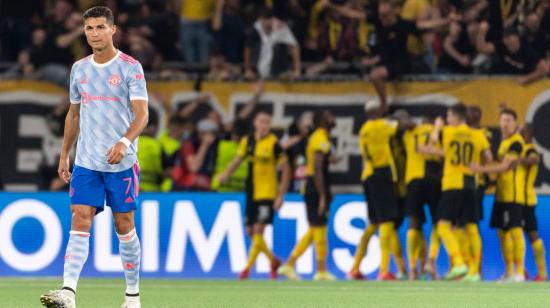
129 200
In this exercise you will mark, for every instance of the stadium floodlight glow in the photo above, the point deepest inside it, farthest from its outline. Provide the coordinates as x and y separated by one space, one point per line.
50 248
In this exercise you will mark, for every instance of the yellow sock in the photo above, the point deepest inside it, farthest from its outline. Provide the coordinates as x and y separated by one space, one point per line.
301 247
540 259
386 230
463 244
254 250
434 245
475 248
507 250
519 250
268 253
450 243
413 243
320 242
361 250
397 251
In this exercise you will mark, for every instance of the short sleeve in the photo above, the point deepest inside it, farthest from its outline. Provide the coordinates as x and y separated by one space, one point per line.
391 127
74 93
322 145
136 83
532 153
484 142
241 151
515 149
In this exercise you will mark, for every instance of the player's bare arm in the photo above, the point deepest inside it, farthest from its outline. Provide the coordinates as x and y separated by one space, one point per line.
508 163
283 187
230 169
118 150
72 122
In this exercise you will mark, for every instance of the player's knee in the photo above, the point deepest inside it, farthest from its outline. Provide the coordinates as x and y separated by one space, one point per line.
82 219
533 236
259 229
123 224
379 74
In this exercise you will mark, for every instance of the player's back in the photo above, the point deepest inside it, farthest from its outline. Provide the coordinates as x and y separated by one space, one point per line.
104 92
419 165
461 145
374 141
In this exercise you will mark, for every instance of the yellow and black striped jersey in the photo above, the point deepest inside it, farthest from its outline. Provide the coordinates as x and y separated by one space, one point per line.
510 187
374 145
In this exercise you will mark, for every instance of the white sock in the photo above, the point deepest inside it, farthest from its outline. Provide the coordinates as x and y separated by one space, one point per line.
75 257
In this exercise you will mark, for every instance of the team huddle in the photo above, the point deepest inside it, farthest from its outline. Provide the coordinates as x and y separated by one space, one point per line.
445 165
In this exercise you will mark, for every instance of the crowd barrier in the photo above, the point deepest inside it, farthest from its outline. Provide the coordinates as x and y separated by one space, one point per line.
201 235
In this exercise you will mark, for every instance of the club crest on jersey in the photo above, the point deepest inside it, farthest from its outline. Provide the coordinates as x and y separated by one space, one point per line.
114 80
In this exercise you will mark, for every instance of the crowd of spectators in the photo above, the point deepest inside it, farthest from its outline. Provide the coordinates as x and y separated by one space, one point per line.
233 39
262 39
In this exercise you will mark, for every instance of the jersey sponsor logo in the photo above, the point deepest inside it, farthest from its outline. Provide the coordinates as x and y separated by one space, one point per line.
114 80
84 80
85 98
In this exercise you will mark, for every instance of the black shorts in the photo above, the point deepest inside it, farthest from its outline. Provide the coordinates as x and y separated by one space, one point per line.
395 69
400 213
421 192
311 198
380 195
529 219
458 206
506 216
259 212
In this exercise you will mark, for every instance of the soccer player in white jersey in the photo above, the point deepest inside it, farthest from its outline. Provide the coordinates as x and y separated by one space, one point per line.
108 112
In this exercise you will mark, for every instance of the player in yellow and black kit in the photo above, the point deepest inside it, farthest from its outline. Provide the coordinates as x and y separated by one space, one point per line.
423 179
510 196
379 178
263 195
317 196
461 147
530 162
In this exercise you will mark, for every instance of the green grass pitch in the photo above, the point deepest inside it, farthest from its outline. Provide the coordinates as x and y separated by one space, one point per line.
21 292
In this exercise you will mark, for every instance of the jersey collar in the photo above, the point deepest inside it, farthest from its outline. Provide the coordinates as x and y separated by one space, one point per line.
106 63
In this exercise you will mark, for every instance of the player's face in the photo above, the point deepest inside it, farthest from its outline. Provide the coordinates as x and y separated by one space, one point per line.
262 124
526 132
508 124
99 33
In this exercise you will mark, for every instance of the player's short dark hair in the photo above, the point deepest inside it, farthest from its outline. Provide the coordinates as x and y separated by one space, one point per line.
459 110
100 11
510 112
319 117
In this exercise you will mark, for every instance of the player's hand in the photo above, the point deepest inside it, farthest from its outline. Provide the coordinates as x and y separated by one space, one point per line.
322 206
439 122
222 178
116 153
522 80
465 60
63 169
278 202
